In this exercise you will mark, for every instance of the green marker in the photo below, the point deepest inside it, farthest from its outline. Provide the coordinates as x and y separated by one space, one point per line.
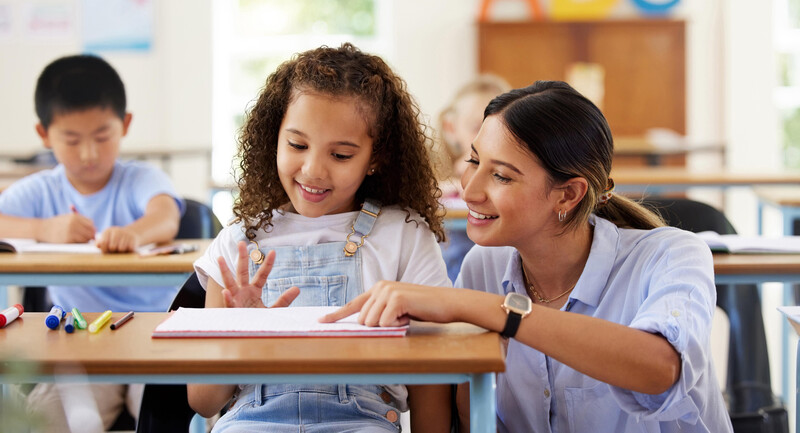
80 322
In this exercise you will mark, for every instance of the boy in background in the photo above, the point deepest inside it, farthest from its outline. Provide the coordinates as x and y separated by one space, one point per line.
81 105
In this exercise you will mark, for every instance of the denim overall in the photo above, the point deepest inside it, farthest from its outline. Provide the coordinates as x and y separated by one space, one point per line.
325 276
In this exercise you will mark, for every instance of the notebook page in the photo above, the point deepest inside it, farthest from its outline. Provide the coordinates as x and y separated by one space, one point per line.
265 322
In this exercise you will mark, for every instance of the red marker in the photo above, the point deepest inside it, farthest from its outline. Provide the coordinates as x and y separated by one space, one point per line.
10 314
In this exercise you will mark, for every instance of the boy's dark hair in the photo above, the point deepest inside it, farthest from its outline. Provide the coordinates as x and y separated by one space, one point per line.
77 83
404 174
570 137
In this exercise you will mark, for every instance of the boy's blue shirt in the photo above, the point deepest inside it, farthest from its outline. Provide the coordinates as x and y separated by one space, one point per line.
121 202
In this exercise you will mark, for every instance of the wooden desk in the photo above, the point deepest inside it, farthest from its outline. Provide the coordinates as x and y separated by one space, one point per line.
756 268
97 269
674 179
641 152
430 353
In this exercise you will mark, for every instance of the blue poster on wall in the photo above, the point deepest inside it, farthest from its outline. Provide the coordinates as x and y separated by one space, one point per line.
117 25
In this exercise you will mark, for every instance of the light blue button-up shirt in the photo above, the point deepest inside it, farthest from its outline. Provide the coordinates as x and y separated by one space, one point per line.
659 281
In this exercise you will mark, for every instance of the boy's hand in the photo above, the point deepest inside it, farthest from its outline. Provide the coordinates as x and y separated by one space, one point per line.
66 228
242 292
118 240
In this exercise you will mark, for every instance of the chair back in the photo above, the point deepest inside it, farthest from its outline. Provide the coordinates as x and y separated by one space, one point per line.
198 221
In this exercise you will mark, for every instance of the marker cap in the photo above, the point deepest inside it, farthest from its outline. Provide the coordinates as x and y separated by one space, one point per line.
54 318
52 322
69 326
5 320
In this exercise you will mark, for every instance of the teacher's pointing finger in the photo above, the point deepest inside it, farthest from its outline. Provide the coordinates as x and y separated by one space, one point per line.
350 308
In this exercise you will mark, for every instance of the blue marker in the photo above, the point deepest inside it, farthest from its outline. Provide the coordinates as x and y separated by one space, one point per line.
69 325
53 318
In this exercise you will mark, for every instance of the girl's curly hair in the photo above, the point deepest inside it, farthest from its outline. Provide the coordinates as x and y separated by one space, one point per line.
401 148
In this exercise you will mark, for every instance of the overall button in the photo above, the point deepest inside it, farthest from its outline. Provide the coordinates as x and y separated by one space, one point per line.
547 393
391 416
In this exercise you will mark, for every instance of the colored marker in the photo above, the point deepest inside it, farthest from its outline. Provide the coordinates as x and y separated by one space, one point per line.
80 322
122 321
10 314
69 324
53 318
99 322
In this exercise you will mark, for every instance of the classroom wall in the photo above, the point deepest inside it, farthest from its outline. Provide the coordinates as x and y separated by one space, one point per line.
168 87
730 76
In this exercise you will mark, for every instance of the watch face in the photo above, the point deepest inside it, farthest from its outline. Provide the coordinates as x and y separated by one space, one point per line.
518 303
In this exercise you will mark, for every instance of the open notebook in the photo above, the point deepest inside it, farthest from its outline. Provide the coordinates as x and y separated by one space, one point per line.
9 245
266 322
751 244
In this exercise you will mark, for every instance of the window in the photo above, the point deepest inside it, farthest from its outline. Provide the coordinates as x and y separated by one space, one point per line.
252 37
787 95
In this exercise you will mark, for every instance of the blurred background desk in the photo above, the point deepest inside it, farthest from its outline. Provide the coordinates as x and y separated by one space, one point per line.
656 180
35 269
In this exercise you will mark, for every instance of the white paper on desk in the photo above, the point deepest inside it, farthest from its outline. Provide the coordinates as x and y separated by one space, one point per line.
793 313
266 322
750 244
31 246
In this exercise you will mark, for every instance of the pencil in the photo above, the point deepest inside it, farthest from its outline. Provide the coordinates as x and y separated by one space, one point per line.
122 321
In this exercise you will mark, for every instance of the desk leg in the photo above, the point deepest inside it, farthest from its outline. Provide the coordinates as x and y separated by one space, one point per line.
483 414
797 392
788 299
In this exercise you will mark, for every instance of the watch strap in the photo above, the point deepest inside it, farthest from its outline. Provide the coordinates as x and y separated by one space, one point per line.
512 324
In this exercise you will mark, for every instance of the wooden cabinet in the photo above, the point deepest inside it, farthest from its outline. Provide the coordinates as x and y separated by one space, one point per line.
644 64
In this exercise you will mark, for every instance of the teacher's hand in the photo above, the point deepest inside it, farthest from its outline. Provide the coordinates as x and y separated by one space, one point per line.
390 303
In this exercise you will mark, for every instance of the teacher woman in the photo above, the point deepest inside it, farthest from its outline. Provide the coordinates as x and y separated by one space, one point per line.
607 312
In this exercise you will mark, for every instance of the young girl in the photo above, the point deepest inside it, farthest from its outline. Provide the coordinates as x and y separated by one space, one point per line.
336 193
459 123
608 313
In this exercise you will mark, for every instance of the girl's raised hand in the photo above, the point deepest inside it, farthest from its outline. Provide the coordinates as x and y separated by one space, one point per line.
242 292
390 303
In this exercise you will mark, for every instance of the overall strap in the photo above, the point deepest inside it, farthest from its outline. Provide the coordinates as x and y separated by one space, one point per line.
363 225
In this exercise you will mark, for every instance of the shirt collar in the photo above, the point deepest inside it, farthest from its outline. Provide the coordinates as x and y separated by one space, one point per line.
592 282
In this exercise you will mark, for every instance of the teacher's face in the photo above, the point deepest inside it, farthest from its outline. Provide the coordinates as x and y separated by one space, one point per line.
507 191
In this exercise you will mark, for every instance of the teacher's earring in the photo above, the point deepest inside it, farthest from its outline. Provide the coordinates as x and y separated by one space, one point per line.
562 214
256 255
371 171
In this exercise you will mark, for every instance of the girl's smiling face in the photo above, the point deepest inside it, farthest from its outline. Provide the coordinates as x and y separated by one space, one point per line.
324 153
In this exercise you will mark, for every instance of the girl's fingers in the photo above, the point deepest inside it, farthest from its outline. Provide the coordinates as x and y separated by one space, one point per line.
242 265
227 299
227 277
287 297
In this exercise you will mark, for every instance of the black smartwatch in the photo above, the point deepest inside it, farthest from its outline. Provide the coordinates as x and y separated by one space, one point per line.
516 306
